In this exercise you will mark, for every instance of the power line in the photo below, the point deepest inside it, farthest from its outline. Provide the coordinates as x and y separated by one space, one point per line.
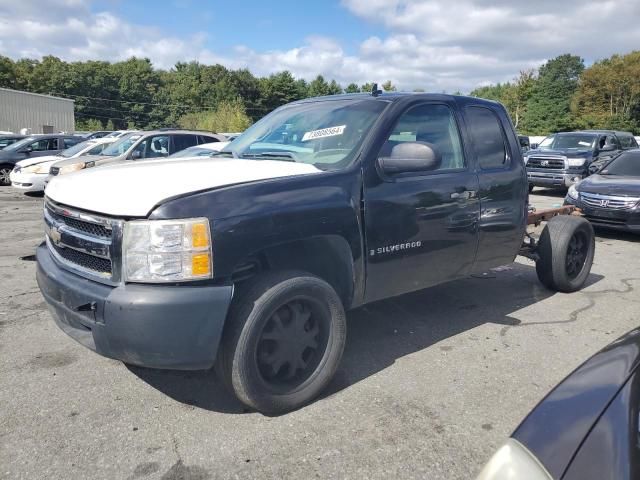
148 103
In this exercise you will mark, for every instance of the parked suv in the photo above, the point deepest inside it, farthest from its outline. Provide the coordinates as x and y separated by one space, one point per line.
30 147
563 159
139 145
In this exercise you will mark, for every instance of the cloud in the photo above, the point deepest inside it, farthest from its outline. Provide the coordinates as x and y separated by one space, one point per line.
437 45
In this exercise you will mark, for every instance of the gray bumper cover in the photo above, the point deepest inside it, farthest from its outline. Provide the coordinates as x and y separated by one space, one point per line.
157 326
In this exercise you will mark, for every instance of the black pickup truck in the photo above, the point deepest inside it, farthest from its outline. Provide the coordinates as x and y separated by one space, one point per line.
248 259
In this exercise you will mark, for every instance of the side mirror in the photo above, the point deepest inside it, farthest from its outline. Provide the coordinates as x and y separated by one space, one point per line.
411 157
533 146
28 150
136 155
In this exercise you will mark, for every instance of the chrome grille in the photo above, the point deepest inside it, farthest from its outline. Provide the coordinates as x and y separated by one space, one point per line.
557 163
103 231
84 260
608 201
85 243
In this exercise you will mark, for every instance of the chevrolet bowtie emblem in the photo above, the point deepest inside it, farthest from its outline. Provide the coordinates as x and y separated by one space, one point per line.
55 235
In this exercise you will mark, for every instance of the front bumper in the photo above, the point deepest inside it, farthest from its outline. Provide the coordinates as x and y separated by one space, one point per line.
553 179
622 220
172 327
28 182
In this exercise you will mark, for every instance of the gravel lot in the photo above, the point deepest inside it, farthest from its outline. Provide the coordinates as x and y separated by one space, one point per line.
430 385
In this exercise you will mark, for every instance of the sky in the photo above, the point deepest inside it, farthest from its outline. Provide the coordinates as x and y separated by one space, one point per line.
436 45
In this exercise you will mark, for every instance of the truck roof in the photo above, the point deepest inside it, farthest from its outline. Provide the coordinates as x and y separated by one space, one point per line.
395 96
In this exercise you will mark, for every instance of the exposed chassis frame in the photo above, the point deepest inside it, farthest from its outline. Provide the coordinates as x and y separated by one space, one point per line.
536 217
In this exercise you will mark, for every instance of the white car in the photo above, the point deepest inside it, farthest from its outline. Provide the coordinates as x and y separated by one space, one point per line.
119 133
202 150
29 175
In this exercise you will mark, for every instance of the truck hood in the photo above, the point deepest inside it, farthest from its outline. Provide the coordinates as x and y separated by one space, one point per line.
27 162
611 185
569 152
133 189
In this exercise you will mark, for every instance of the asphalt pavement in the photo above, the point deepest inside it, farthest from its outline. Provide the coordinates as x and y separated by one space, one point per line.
430 385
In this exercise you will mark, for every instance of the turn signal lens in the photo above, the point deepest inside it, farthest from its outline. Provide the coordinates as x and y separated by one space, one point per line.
199 235
201 264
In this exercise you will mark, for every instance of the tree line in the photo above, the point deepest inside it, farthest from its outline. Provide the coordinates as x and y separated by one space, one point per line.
565 95
561 95
133 94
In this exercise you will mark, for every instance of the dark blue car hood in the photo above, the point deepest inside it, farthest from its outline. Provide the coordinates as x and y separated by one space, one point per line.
556 427
611 185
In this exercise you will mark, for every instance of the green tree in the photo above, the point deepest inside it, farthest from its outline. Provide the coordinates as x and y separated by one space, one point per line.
549 105
388 86
352 88
608 94
319 87
278 89
334 88
110 126
230 116
88 125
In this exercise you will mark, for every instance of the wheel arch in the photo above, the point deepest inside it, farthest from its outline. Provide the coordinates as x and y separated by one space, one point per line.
329 257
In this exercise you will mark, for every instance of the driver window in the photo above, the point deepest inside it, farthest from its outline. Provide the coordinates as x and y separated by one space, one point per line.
158 146
40 145
434 124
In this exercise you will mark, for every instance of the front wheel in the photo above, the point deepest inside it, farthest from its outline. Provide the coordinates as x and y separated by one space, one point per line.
5 172
566 249
283 341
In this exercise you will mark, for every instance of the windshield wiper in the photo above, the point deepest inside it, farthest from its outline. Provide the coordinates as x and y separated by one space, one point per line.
288 156
232 153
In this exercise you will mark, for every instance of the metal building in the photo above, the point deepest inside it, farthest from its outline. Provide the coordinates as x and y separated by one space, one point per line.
40 113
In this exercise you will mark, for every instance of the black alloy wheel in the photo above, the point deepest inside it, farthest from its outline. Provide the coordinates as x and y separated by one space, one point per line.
292 342
282 342
576 254
5 172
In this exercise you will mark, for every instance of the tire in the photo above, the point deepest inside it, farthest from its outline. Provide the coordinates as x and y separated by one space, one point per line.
5 170
279 320
566 249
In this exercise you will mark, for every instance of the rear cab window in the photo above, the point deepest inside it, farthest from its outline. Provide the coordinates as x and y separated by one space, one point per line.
487 138
627 142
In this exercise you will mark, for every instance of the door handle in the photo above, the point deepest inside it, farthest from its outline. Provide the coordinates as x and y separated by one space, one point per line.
464 195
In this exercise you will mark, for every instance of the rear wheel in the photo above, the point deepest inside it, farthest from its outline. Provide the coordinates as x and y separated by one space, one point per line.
283 341
566 249
5 171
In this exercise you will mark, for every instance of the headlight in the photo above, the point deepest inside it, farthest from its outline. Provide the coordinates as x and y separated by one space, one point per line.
167 250
573 192
37 168
513 461
74 167
576 162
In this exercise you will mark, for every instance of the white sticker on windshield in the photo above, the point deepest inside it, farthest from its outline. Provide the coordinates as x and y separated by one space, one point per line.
323 133
584 144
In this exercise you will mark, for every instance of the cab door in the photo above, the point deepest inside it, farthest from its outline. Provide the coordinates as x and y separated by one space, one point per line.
420 227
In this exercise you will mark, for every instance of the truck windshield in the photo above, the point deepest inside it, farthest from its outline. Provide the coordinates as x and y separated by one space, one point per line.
326 134
120 146
568 142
